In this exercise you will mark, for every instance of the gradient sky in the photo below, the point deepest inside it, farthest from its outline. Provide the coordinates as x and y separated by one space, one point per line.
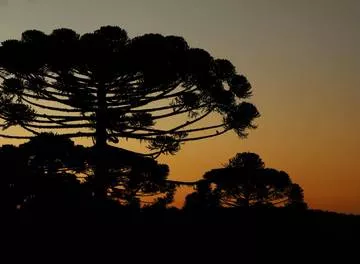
302 58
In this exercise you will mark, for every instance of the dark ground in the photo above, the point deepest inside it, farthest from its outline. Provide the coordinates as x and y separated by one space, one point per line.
224 236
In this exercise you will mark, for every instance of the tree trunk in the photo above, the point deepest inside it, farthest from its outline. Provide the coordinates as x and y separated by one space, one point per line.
101 169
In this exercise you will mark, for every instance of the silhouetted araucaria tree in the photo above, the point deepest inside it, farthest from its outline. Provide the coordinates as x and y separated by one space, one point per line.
245 182
107 86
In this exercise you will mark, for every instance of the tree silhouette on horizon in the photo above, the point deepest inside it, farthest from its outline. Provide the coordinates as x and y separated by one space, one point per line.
51 168
107 86
40 173
246 182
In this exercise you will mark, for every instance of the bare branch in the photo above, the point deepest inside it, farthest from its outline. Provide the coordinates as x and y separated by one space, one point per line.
54 108
15 137
178 112
60 126
207 136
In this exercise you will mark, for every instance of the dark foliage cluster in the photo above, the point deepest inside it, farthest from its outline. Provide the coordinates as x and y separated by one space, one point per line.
245 182
51 171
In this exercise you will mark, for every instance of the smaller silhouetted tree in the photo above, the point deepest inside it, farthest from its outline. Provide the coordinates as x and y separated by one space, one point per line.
296 197
34 175
52 154
245 182
51 171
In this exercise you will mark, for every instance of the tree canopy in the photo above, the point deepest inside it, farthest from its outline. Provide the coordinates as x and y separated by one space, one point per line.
108 86
40 172
245 182
51 169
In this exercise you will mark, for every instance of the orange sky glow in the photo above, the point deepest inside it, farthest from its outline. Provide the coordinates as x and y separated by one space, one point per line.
302 58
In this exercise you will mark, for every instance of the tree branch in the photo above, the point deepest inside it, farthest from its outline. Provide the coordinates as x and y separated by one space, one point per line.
54 108
15 137
178 112
207 136
60 126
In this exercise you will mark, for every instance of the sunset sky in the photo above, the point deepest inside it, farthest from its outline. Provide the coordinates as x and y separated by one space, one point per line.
302 58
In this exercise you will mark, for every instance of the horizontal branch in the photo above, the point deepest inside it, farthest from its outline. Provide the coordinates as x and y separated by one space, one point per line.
54 108
185 90
200 129
155 109
78 134
146 101
193 121
178 112
60 126
58 121
158 132
207 136
73 118
15 137
47 84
